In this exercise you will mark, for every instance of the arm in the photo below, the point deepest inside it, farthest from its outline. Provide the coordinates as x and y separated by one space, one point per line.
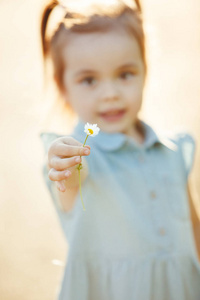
61 158
67 198
194 217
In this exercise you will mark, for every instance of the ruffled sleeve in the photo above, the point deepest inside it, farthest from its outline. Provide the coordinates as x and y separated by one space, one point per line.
187 147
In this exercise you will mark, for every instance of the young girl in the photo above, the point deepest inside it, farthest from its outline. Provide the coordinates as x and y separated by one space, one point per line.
139 236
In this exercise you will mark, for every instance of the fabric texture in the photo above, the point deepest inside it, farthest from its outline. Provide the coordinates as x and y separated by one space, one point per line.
135 239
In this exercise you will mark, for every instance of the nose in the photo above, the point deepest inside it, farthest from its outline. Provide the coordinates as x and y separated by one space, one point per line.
110 91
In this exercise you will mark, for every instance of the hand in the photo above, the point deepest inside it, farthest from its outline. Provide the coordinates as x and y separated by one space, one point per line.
64 153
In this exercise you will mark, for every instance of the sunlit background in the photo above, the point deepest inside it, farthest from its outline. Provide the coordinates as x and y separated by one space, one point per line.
32 245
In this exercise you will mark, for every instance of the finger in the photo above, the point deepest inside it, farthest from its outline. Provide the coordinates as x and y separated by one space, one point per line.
71 141
69 150
68 140
60 186
60 164
55 175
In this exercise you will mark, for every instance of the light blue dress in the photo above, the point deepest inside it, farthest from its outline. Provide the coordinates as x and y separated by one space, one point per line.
135 239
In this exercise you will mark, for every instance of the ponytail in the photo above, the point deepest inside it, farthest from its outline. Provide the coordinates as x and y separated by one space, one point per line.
44 20
137 2
44 42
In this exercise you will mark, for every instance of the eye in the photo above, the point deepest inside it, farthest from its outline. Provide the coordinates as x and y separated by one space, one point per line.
88 80
126 75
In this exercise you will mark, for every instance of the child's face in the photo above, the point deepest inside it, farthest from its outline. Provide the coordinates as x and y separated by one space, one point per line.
104 79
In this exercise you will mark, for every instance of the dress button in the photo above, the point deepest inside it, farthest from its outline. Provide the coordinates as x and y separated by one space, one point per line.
153 194
162 231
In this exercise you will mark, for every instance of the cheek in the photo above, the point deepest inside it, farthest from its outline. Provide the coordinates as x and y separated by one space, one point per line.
135 106
135 93
134 99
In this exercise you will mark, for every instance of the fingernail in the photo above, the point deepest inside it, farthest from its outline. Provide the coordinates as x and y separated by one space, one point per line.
77 159
86 151
67 173
59 187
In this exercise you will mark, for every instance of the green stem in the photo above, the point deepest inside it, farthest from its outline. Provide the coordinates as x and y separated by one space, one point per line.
79 173
85 140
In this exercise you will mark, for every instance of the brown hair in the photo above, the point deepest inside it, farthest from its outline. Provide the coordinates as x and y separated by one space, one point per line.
101 19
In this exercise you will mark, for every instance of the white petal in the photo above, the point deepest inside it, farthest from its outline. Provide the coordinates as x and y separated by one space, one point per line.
93 127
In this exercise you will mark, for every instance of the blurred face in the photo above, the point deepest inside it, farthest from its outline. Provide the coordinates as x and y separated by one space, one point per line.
104 79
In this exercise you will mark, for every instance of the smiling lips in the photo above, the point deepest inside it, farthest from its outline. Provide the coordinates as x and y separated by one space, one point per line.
113 115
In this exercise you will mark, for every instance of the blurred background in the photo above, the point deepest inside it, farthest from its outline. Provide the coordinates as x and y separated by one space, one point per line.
33 248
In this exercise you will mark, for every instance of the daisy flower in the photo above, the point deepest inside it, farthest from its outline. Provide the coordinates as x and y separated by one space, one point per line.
92 130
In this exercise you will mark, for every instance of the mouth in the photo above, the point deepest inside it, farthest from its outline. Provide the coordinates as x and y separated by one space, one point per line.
113 115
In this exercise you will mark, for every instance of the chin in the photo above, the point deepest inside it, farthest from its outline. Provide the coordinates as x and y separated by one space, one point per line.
113 129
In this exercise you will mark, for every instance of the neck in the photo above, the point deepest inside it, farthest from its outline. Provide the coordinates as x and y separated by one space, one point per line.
138 132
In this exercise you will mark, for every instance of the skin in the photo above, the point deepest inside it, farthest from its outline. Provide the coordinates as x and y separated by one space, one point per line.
114 81
105 72
104 82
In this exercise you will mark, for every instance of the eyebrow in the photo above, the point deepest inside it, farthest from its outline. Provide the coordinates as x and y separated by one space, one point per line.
90 71
130 65
83 72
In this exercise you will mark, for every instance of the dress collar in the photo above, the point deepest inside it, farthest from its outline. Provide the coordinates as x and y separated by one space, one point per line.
114 141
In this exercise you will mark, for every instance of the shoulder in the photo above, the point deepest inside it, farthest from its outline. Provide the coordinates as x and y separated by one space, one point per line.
186 147
185 142
178 139
183 137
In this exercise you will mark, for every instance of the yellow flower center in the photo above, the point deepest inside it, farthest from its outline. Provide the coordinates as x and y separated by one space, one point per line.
90 131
